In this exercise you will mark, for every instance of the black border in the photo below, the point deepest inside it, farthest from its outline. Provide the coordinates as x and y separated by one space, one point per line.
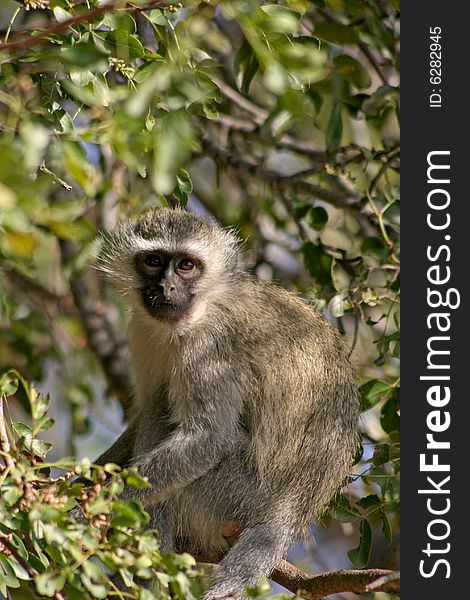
426 129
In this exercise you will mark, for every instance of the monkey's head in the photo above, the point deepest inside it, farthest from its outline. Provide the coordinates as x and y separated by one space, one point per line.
171 262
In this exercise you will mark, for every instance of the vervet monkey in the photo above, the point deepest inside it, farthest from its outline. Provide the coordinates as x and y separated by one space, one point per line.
245 405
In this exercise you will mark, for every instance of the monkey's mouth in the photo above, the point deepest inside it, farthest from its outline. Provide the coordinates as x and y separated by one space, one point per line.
164 310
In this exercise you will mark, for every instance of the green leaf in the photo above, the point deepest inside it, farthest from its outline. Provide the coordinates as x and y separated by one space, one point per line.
374 246
39 404
157 17
81 170
334 127
101 89
35 446
344 512
372 392
246 62
74 593
17 542
173 146
317 218
317 262
135 480
36 138
81 78
281 19
352 71
389 417
382 97
356 7
11 494
339 304
8 383
94 571
336 33
7 581
386 527
315 98
122 21
83 56
184 186
128 514
97 590
360 556
381 454
60 14
81 230
372 500
18 568
56 554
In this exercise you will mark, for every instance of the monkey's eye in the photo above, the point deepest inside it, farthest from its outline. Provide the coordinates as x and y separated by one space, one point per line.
153 261
185 265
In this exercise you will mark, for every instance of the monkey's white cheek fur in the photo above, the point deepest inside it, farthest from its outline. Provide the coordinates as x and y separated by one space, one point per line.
196 313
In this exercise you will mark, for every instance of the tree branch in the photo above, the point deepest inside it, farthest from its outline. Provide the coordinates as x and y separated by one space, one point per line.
391 157
24 38
280 183
373 61
316 587
4 441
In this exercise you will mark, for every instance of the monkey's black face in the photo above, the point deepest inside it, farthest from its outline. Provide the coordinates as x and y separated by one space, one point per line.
168 283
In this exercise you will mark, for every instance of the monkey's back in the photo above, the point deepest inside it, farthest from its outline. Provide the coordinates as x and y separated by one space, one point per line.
302 416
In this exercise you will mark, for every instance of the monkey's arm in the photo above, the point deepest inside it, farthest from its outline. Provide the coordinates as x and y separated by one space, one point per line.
209 429
121 451
183 458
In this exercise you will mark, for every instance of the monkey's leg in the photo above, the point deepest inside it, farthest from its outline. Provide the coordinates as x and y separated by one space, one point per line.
160 519
254 555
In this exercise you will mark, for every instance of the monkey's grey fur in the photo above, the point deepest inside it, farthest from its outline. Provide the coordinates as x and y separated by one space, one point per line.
245 401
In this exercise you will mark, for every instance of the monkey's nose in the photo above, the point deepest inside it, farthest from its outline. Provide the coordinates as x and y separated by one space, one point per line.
168 288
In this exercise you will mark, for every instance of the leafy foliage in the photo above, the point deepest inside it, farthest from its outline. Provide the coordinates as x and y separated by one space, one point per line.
53 553
281 118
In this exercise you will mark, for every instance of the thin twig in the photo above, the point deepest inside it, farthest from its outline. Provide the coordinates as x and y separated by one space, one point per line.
356 331
23 38
373 61
10 24
280 183
4 441
67 187
383 169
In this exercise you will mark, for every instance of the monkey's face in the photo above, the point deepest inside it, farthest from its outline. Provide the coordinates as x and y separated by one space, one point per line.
172 263
168 283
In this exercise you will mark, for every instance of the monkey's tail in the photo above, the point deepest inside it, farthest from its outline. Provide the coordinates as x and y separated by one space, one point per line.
254 555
